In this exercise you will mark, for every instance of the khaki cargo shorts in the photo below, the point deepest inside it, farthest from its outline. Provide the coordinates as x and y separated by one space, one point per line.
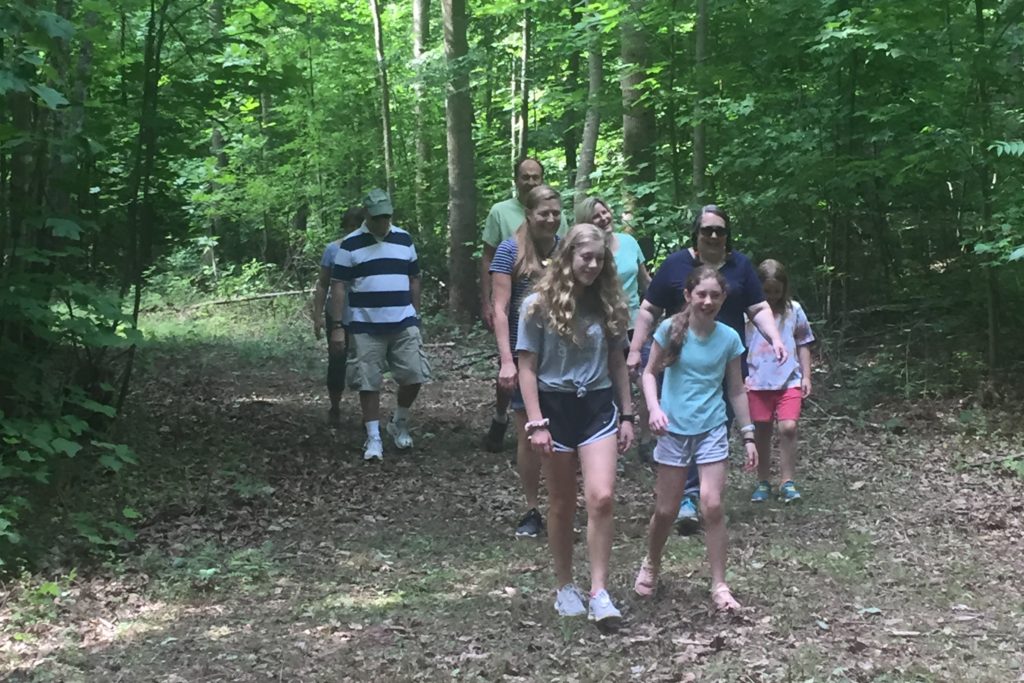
370 355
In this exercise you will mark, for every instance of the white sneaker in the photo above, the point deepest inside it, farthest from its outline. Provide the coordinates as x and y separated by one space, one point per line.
569 601
399 431
603 613
373 449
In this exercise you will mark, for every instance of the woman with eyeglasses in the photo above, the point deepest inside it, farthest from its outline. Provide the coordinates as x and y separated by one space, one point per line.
710 246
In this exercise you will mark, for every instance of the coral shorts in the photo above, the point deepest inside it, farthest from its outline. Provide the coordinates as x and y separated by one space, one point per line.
783 404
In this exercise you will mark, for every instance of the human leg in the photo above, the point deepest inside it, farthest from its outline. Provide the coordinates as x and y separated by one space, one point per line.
597 462
713 478
787 449
336 363
668 490
560 474
529 468
763 442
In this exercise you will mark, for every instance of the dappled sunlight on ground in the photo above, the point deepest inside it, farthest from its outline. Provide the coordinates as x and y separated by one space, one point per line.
270 551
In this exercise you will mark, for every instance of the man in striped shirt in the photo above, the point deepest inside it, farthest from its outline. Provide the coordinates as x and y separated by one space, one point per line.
375 288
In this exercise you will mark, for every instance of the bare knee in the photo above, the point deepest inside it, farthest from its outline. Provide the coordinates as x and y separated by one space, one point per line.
665 512
711 508
561 507
787 429
600 503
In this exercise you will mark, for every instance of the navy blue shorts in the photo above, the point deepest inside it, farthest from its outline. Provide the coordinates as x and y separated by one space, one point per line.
576 421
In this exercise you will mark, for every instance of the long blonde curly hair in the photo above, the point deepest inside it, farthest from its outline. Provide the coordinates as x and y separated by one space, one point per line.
559 300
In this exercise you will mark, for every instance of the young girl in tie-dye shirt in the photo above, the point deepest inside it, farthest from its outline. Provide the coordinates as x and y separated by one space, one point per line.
776 390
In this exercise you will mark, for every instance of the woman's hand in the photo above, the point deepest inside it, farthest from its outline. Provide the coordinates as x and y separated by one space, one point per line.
658 421
805 387
625 436
781 354
751 464
318 326
508 377
540 441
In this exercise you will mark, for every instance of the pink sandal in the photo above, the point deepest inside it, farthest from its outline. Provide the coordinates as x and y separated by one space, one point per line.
646 579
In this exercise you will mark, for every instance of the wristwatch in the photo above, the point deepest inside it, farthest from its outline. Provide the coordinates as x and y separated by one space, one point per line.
627 417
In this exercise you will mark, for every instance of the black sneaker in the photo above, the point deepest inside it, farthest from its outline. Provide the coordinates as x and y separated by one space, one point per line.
531 525
334 416
494 442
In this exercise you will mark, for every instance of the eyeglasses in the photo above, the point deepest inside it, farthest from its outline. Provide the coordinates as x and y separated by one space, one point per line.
710 230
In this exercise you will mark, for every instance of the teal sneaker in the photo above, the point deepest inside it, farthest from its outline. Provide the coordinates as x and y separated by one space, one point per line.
762 493
688 519
789 493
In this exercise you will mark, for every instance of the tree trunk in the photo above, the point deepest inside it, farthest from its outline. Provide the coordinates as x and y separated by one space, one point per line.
638 121
462 294
991 283
523 143
213 224
420 36
570 116
592 123
672 109
385 99
700 163
141 221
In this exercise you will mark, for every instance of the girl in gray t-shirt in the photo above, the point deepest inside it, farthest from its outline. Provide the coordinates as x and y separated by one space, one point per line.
572 332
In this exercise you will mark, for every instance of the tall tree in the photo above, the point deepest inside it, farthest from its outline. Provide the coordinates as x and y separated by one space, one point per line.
638 119
523 143
462 295
592 122
385 98
700 162
420 36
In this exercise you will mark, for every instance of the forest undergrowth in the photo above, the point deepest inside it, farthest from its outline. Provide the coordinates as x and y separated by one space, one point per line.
266 549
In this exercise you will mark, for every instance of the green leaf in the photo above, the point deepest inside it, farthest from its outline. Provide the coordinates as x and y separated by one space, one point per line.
131 513
62 227
55 25
9 82
62 445
1016 255
94 406
52 98
111 463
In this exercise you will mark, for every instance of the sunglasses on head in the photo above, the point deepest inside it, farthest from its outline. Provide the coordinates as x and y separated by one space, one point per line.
709 230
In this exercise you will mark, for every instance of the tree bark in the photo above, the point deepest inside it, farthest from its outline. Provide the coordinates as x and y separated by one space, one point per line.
420 36
141 221
462 294
569 122
213 224
592 122
385 99
524 90
638 121
700 163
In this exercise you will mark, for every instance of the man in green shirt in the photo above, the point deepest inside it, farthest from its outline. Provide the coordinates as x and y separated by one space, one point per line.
503 220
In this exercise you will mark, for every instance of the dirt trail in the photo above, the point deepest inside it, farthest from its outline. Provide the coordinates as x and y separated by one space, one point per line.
284 557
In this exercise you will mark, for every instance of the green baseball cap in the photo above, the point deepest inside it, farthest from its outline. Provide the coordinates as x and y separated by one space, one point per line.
378 203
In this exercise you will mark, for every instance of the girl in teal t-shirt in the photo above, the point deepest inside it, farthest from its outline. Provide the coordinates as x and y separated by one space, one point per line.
695 353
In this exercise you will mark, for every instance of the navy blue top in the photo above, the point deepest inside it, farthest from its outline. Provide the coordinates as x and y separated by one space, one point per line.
743 286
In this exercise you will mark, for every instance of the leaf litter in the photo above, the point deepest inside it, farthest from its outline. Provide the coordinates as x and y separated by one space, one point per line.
277 554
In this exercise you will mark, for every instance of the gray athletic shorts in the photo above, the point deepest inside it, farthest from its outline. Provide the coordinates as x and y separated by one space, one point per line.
675 450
